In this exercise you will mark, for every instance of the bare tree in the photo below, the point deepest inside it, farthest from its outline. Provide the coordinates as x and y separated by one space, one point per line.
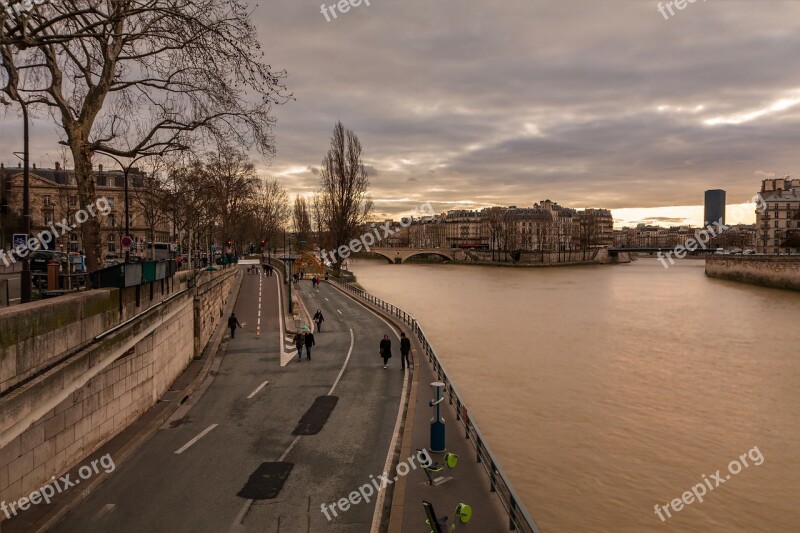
301 220
271 207
344 185
231 180
134 77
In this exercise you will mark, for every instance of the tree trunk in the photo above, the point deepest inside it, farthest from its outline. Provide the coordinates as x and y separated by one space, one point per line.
90 229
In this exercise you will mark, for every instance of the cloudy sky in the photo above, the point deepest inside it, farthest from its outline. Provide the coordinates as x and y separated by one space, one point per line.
590 103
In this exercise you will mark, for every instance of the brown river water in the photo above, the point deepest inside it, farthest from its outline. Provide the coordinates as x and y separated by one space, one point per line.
606 390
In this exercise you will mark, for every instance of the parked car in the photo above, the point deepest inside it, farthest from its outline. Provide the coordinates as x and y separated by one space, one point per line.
40 258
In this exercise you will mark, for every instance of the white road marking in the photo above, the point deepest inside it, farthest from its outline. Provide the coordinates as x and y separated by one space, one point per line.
327 300
338 311
286 453
197 438
257 389
350 351
106 509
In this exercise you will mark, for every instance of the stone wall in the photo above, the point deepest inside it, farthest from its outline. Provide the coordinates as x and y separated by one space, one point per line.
213 291
779 271
65 397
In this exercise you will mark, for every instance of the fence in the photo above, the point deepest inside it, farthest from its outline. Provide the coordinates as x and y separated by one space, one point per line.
518 517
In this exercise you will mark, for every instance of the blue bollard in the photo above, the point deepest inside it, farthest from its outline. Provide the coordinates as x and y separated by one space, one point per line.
437 423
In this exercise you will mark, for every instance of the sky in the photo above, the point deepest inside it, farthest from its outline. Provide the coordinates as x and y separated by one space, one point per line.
590 103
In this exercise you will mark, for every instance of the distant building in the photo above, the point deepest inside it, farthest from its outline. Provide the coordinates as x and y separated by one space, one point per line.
54 197
777 227
714 206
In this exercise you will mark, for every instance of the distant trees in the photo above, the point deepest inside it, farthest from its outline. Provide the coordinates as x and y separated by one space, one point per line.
133 78
344 203
301 220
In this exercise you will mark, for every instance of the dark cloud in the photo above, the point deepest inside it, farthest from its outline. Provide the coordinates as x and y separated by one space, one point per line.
588 103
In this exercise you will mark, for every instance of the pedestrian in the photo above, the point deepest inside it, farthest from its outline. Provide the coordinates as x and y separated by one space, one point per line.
299 342
269 270
264 268
326 276
233 323
405 350
386 350
309 338
318 320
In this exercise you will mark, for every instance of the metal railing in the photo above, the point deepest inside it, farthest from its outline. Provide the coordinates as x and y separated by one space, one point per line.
518 517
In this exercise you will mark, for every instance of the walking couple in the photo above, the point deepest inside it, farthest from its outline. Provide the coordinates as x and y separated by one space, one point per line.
405 351
306 340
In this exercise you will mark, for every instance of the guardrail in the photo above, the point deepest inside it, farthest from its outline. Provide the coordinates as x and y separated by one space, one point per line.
518 517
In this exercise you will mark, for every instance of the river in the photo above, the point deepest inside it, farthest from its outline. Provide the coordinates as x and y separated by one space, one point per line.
606 390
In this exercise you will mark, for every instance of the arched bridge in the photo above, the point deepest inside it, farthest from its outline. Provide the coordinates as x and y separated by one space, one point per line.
400 255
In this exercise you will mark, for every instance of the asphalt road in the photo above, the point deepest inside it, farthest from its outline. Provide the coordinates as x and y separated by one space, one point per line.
217 465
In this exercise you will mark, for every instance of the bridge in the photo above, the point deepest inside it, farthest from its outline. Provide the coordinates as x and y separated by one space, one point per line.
401 255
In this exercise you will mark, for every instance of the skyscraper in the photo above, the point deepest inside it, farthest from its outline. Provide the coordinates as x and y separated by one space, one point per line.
715 206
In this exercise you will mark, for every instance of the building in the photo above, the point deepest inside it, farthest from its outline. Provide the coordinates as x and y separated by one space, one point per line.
714 206
54 197
777 226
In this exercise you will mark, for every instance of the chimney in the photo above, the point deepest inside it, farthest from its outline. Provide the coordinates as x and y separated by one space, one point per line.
58 165
100 167
34 166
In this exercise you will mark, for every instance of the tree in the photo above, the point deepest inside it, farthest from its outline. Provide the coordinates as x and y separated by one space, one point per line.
301 220
231 180
344 183
271 208
134 77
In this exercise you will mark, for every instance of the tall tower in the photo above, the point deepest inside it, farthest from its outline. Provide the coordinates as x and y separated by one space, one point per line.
715 206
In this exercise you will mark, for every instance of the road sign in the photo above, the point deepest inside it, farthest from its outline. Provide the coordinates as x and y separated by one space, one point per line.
126 241
19 239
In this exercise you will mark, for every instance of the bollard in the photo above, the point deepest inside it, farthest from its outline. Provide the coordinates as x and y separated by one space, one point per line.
52 275
437 423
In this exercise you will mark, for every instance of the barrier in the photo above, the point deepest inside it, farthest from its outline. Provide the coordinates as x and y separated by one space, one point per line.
518 516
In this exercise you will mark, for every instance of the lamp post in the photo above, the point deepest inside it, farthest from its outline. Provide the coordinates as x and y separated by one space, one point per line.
25 275
125 172
25 279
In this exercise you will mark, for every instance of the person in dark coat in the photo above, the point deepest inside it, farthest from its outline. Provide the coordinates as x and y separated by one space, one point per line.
386 350
233 323
309 338
319 319
299 342
405 350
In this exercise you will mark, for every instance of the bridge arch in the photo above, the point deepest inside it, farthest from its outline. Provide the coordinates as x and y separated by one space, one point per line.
427 252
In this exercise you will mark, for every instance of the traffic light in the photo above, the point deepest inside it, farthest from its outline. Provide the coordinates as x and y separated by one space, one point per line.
263 242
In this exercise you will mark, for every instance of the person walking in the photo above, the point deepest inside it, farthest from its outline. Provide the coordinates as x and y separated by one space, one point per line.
318 320
386 350
299 342
309 338
405 350
233 323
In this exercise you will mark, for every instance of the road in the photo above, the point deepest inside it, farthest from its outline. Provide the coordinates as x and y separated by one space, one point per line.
218 464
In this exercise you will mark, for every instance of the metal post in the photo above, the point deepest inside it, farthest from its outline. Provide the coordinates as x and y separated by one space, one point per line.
437 423
25 277
127 217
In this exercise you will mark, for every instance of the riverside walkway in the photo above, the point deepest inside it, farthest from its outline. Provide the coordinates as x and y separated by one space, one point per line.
258 445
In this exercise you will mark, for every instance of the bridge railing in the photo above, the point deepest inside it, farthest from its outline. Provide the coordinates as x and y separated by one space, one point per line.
518 517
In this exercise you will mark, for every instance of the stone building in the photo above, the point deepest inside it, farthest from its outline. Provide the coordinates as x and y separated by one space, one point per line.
54 196
777 227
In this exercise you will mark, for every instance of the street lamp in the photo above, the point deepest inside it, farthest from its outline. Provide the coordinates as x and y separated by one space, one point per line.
25 276
125 171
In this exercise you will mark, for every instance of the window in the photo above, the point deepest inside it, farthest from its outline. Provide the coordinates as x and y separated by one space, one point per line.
112 243
110 200
111 220
47 216
46 200
73 201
